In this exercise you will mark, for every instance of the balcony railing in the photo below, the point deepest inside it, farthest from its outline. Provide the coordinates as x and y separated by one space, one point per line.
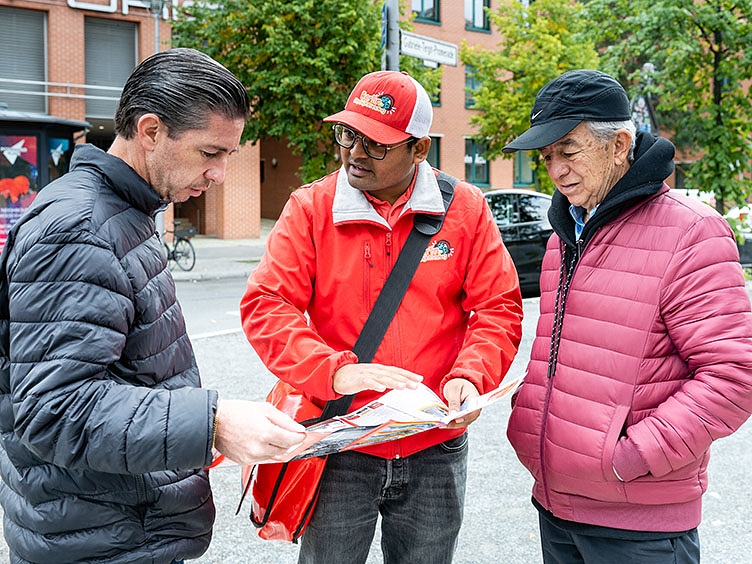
59 89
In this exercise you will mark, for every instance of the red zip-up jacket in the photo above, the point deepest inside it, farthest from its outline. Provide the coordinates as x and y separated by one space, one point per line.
326 261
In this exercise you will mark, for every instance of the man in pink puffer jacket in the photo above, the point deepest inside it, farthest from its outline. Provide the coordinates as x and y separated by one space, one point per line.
643 351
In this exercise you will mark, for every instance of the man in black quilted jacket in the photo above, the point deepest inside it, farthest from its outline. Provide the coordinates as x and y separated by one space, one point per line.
104 427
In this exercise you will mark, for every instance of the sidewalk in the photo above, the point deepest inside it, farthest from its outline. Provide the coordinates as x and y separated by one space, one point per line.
225 258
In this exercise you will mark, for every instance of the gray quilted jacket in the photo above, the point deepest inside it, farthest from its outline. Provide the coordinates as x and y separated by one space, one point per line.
103 425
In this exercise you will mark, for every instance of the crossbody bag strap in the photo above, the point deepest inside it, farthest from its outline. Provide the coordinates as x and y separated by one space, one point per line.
424 227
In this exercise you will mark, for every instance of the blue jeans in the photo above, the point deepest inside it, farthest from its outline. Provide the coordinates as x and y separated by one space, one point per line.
421 500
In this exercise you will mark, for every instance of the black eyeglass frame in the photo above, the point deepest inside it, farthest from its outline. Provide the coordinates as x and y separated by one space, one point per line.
365 142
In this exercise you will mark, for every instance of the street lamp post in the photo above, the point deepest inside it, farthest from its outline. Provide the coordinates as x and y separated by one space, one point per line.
156 7
392 35
643 113
648 69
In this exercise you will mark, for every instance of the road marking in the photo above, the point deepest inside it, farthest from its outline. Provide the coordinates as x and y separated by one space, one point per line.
211 334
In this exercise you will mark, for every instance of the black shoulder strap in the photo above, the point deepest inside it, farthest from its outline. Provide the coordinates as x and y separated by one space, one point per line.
424 227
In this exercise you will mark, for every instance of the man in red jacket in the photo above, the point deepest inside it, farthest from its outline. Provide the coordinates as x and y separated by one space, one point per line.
457 328
643 352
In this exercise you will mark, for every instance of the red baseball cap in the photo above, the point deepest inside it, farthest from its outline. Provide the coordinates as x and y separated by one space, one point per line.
387 107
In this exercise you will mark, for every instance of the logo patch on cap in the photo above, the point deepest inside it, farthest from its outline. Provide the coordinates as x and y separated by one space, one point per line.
382 103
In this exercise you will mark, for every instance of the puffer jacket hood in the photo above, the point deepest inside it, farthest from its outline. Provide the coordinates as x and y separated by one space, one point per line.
104 427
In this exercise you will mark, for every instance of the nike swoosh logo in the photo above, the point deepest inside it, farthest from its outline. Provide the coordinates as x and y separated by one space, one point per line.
535 115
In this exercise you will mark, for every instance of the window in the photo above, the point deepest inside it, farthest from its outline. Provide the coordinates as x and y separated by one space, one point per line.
436 98
502 208
23 40
471 85
476 166
533 208
524 174
110 56
427 11
475 15
682 170
510 207
433 152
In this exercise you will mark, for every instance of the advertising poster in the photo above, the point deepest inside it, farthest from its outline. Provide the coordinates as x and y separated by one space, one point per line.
18 178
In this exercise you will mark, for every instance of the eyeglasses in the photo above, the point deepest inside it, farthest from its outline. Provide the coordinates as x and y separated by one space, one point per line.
346 138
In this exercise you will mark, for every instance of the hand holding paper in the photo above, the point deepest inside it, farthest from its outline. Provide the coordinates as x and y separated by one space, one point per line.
250 432
396 414
457 392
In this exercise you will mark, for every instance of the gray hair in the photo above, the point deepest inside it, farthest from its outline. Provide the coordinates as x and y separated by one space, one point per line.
605 130
184 87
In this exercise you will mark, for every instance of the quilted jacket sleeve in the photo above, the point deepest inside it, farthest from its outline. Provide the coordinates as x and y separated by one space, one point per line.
706 310
81 398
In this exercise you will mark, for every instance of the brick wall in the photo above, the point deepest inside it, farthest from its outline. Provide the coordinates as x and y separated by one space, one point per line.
228 211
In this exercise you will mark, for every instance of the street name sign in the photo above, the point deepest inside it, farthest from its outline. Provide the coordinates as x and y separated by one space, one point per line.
428 48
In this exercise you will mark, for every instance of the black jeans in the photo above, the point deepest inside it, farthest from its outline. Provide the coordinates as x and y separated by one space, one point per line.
420 499
563 546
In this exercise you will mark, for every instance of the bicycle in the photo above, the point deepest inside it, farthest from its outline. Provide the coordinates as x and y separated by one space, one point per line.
182 252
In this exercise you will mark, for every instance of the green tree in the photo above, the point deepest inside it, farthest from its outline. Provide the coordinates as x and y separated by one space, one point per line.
299 60
538 43
701 52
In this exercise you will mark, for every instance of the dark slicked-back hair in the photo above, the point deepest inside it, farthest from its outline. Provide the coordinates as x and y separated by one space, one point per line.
184 87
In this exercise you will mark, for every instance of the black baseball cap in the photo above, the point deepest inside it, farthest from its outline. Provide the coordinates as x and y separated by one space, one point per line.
562 104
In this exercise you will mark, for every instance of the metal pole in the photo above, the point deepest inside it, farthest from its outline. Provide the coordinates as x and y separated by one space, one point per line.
647 72
156 7
392 35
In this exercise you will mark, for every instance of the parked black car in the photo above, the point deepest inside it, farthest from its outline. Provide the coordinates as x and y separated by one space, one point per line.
522 217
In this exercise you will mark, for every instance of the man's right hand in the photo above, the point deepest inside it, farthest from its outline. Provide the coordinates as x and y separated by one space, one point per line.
248 432
354 378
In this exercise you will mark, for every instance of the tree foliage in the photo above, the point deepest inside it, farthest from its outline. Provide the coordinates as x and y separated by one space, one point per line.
703 60
538 43
299 60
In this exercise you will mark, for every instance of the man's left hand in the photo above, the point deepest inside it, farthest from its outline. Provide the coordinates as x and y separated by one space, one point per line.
456 391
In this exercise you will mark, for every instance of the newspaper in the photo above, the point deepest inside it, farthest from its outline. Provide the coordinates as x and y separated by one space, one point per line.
396 414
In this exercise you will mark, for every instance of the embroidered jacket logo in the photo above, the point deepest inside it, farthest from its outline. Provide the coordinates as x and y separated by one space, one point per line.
382 103
438 250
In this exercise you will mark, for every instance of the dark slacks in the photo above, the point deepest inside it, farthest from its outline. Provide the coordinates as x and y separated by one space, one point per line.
564 546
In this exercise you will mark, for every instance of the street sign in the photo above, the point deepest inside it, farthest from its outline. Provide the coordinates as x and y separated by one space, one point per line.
428 48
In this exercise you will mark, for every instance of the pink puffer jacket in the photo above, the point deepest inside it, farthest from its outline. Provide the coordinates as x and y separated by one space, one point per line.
656 346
